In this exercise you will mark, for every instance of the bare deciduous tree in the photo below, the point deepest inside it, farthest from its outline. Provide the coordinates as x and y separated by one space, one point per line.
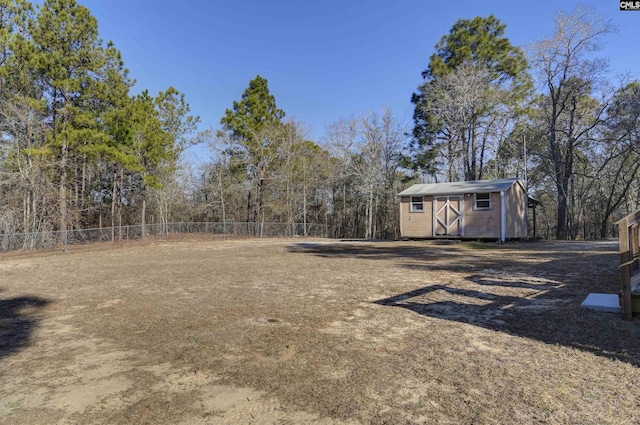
473 113
570 77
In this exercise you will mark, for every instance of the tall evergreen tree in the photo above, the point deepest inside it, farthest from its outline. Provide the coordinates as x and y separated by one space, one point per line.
72 139
181 127
72 66
24 192
251 128
153 146
477 45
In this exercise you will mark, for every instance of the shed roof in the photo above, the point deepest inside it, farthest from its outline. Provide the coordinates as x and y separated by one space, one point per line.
459 188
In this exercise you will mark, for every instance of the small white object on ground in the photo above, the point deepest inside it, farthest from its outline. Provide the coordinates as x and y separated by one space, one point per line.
602 302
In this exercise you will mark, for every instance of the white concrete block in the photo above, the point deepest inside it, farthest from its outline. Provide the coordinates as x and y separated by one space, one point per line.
602 302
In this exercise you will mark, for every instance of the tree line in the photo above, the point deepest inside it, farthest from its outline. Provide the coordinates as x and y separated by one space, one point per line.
265 168
79 150
551 115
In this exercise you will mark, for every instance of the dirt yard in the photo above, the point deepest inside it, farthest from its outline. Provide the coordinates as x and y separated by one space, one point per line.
303 331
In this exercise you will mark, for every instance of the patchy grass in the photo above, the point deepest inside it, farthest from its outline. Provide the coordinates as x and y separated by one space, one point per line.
482 245
316 331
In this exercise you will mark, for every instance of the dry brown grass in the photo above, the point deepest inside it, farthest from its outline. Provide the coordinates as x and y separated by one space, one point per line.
316 331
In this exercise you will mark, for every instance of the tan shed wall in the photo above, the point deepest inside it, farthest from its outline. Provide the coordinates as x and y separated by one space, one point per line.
481 223
417 224
516 212
476 224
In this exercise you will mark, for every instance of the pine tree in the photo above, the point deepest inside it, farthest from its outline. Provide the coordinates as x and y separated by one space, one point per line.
251 127
474 49
79 77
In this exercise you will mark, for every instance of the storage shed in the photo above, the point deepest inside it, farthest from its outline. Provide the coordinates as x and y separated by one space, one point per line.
483 209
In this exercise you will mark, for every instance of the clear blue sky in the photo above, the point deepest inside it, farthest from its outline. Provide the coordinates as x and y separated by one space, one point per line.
324 59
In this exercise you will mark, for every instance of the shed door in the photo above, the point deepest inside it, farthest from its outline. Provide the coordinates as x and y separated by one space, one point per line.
447 216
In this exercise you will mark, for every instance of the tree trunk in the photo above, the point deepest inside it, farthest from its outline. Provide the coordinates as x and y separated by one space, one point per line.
220 187
304 208
474 149
304 199
258 206
248 218
121 179
561 229
370 216
113 207
62 189
83 199
143 216
344 209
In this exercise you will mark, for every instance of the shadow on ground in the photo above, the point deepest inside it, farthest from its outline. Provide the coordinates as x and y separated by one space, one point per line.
527 290
18 319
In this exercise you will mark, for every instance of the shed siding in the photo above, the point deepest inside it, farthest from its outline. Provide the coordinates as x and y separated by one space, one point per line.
516 212
417 224
481 223
476 223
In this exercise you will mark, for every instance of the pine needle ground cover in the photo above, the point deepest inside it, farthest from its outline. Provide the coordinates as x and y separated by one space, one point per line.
295 331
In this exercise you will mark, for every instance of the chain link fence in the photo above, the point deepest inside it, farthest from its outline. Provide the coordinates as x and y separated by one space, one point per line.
168 231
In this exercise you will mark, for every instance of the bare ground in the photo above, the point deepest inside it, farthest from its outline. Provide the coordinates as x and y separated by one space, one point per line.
316 331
